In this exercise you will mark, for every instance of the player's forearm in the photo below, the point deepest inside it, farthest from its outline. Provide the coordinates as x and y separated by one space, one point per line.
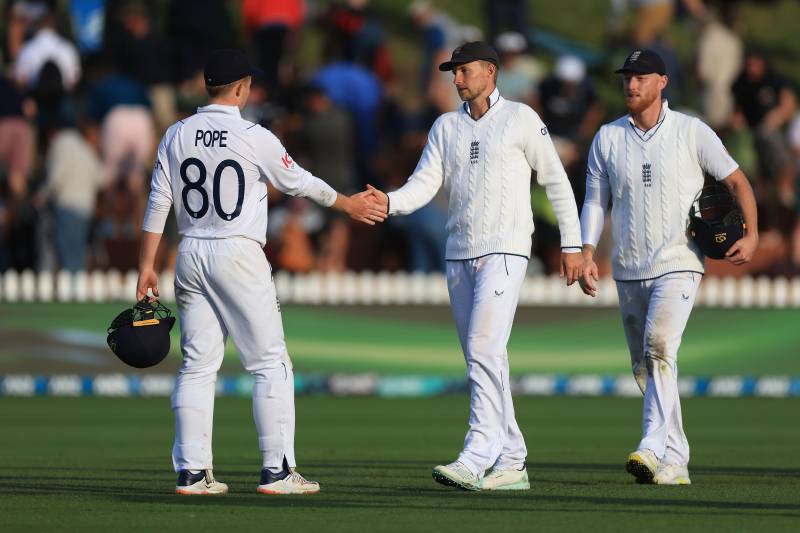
559 193
158 205
303 184
342 203
420 188
147 252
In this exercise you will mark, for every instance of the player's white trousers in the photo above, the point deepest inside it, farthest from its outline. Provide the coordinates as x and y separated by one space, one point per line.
224 287
483 296
654 315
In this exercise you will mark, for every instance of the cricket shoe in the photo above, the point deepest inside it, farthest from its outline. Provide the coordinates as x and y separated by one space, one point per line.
286 482
672 475
506 479
456 474
200 484
642 464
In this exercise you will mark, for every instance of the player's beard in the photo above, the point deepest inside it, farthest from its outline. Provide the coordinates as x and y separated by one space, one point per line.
468 95
637 105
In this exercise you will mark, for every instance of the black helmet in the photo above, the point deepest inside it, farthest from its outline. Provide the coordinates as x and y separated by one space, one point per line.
715 220
140 336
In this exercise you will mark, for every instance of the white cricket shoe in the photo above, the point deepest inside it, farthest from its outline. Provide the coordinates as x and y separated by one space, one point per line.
200 484
642 464
287 482
506 479
672 475
456 474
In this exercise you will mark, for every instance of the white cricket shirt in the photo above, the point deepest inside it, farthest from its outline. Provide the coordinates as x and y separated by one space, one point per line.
485 167
213 167
651 179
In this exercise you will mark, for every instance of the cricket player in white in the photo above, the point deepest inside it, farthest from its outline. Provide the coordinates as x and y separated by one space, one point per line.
650 165
483 154
213 168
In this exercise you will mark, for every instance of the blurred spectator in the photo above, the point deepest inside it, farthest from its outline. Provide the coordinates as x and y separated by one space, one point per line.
739 141
121 107
327 140
354 88
440 35
425 233
570 109
294 225
52 103
16 140
719 62
88 23
506 15
260 108
271 25
45 46
768 103
422 236
675 91
75 174
22 15
196 27
137 51
652 18
353 34
794 143
519 76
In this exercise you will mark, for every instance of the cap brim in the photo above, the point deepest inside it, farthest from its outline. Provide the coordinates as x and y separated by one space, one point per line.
450 65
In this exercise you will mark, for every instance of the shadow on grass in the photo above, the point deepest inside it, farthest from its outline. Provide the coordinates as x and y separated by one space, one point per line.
356 485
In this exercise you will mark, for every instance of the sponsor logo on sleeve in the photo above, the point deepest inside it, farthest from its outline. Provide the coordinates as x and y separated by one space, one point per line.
287 161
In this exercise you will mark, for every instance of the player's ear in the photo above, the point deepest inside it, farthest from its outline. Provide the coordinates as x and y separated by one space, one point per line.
662 82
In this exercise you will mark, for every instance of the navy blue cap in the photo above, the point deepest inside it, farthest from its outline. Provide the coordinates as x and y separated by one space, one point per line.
469 52
227 65
643 62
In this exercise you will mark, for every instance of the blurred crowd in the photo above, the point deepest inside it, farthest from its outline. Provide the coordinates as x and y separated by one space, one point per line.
87 87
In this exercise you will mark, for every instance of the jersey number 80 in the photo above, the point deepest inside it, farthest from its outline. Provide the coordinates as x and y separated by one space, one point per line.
198 186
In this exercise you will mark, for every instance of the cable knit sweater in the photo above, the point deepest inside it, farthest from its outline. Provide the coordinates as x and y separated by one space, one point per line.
652 180
485 167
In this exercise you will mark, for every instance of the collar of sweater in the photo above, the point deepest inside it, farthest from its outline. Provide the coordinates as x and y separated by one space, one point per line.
646 135
494 99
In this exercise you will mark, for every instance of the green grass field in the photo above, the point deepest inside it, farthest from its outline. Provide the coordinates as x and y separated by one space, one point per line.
103 465
63 338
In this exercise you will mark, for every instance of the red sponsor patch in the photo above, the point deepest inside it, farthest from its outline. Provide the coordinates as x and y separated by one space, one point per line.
287 161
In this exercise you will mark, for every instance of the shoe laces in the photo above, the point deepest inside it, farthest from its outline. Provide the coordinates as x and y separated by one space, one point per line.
462 469
296 477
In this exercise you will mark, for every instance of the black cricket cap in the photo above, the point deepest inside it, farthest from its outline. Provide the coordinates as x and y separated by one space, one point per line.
469 52
643 62
227 65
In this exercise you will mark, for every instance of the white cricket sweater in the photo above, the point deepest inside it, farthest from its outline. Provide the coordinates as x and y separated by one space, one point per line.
485 167
651 179
213 167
